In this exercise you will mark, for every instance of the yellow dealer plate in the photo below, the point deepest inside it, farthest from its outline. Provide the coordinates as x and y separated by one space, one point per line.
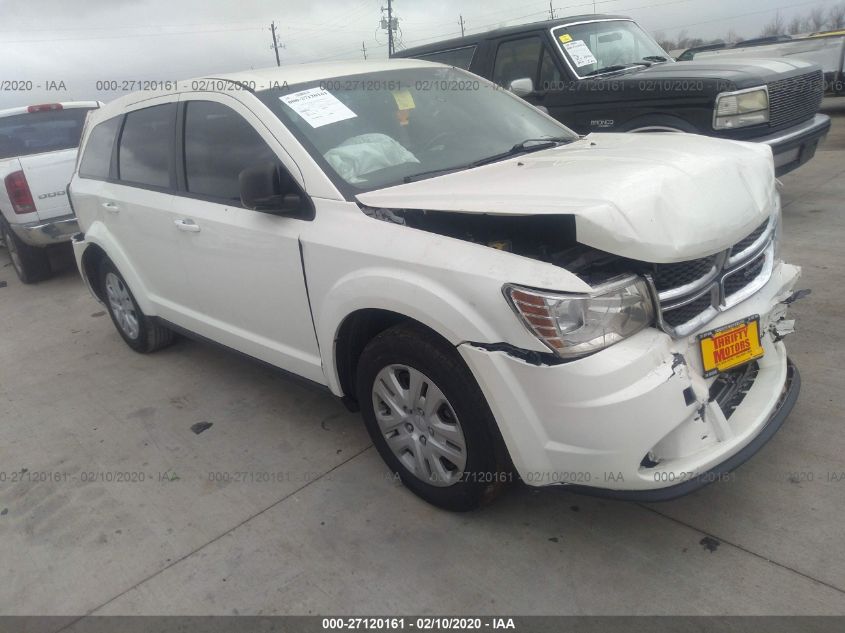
730 346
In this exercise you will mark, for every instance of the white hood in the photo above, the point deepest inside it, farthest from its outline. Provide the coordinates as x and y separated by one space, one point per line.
660 197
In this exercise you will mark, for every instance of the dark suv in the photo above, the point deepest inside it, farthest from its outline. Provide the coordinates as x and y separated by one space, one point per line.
605 73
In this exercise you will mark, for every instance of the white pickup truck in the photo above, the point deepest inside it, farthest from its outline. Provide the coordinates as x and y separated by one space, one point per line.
38 146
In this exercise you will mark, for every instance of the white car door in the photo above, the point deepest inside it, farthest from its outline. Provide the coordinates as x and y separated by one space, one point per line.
136 205
244 266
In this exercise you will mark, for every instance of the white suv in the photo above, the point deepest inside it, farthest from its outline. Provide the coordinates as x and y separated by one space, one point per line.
500 297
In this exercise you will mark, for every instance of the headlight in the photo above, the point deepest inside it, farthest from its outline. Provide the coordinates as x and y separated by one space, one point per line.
741 109
574 325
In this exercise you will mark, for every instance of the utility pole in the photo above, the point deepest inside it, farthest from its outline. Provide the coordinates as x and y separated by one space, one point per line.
552 10
364 49
461 22
389 24
276 45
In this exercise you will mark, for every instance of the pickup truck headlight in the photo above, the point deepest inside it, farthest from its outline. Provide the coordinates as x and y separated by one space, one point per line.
741 109
574 325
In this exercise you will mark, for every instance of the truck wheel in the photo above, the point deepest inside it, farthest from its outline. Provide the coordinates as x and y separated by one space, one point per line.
428 418
658 124
140 332
30 263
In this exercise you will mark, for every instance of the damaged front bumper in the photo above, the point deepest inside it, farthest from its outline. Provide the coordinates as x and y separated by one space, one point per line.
639 420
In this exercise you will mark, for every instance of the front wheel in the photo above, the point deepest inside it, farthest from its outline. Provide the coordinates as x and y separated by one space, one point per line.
139 331
429 420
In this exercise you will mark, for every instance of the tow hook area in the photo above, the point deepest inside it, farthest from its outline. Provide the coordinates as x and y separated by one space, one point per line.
781 327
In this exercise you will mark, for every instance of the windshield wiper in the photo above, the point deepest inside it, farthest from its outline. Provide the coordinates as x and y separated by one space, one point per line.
611 69
655 58
526 146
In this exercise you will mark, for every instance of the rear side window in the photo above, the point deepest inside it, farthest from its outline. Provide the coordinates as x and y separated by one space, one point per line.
459 57
145 154
96 160
219 144
40 132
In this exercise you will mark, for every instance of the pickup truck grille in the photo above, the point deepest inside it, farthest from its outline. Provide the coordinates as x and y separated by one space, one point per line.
691 293
795 99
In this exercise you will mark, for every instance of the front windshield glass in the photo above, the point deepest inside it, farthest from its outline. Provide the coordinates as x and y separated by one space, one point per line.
593 48
380 129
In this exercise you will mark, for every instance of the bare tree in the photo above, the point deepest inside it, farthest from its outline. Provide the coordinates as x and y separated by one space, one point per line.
775 27
665 43
683 39
836 17
796 25
733 37
817 18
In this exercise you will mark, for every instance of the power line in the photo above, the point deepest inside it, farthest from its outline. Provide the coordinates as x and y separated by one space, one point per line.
128 36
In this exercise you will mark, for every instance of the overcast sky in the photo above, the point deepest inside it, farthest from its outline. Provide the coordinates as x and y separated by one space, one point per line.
79 42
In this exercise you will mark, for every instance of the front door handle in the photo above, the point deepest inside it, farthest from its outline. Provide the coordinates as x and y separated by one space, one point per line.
187 225
111 207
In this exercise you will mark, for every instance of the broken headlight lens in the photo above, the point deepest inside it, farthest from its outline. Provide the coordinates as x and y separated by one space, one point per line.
576 325
741 109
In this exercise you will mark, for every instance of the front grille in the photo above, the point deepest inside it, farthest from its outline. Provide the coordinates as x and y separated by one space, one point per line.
678 316
667 276
738 280
691 293
795 99
748 241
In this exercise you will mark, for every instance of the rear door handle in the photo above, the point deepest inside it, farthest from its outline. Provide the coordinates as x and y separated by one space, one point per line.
187 225
111 207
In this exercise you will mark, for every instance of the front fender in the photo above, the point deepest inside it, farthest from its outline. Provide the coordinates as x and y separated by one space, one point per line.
453 315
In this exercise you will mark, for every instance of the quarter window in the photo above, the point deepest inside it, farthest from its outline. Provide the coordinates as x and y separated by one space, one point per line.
219 144
96 161
145 154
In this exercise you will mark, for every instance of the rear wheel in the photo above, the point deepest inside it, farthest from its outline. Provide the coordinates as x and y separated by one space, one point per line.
30 263
139 331
428 418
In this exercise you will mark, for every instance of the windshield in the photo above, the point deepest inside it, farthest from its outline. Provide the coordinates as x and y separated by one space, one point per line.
379 129
593 48
39 132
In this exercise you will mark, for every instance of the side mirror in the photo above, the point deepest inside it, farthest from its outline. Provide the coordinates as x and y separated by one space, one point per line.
522 86
262 190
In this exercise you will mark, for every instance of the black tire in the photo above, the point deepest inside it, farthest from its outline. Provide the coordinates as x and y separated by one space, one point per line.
150 336
485 473
31 264
658 123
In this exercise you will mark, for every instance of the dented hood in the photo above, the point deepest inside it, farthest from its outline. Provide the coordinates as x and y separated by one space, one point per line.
651 197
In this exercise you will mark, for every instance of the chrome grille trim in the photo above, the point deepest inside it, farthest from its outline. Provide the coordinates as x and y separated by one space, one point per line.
714 284
755 246
795 99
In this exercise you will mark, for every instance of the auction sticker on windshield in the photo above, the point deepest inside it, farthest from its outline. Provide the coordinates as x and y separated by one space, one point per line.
730 346
580 54
317 106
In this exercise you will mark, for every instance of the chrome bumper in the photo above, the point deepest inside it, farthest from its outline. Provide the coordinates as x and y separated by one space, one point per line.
47 232
795 146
